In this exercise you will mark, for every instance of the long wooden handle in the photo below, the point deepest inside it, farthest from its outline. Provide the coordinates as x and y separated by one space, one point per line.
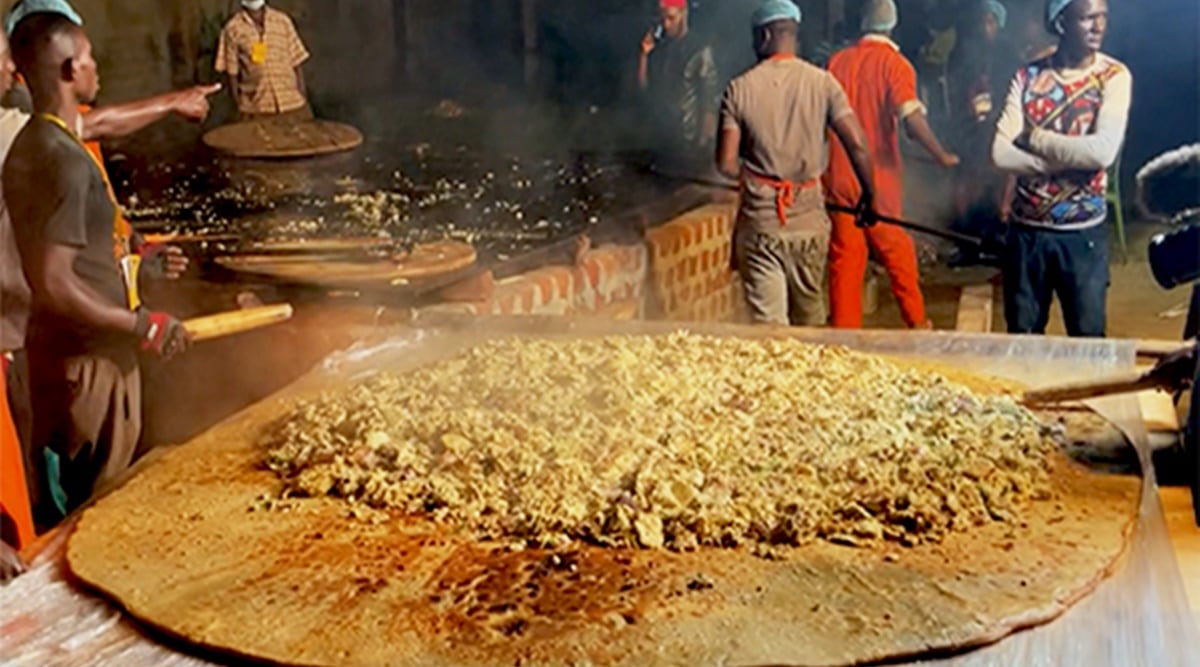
1093 389
1157 349
236 321
177 237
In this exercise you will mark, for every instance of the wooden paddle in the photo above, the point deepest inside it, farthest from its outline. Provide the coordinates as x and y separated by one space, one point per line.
1079 391
236 321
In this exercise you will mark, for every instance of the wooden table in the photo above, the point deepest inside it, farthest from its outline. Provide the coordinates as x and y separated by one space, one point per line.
1162 423
1185 538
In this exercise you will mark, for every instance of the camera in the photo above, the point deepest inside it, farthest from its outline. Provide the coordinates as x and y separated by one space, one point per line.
1168 188
1175 255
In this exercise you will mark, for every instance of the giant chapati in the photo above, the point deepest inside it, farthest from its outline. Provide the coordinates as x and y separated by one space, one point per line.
712 501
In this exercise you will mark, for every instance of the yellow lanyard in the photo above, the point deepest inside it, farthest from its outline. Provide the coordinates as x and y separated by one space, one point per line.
127 262
120 233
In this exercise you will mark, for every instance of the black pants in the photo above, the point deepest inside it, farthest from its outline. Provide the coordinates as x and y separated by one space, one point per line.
1045 262
1191 442
1191 328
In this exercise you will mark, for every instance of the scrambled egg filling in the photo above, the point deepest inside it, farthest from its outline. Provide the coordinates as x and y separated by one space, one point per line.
678 442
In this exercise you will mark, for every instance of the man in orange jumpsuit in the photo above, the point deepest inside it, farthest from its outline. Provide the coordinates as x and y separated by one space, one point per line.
882 87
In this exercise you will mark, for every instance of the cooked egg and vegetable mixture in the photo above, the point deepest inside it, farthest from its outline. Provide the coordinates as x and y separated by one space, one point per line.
671 442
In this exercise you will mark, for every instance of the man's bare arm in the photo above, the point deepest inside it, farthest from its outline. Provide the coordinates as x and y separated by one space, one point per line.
918 128
643 69
854 140
11 565
728 142
52 276
120 120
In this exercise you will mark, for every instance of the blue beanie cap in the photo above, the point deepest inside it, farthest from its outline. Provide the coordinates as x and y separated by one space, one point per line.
26 7
775 10
1055 9
998 10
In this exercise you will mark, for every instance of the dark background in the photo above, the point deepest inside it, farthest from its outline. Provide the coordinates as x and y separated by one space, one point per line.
396 55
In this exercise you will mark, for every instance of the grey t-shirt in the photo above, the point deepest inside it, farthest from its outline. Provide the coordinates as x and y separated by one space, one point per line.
783 108
57 196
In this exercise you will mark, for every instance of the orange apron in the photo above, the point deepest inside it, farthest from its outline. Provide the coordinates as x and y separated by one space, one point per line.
123 253
122 230
785 192
14 494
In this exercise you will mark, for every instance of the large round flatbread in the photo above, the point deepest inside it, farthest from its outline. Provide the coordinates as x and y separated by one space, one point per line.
426 260
187 548
282 138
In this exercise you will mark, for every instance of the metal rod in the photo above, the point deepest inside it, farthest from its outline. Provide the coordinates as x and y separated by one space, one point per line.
963 239
933 231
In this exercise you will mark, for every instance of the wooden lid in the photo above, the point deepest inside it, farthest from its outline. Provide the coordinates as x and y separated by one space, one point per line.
282 138
425 261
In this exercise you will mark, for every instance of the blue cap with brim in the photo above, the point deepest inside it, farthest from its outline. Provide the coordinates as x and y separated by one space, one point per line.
775 10
26 7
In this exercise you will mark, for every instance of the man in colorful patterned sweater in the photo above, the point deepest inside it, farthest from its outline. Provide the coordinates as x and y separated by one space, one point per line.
1061 128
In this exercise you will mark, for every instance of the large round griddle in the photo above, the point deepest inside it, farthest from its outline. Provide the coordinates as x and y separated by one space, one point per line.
180 549
282 137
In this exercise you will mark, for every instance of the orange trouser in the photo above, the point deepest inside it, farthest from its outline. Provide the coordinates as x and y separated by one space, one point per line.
14 494
848 254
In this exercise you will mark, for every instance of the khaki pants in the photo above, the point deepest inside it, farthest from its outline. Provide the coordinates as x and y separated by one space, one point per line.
784 275
88 417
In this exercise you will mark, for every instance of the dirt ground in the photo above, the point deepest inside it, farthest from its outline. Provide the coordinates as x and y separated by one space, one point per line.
1137 306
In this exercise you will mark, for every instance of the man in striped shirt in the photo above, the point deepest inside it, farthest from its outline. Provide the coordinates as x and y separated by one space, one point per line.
261 53
1061 129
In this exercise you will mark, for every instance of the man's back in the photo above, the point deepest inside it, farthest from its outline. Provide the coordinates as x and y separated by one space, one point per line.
882 86
782 107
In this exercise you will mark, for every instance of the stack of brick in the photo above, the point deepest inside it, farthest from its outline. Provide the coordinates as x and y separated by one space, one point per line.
607 282
690 274
682 273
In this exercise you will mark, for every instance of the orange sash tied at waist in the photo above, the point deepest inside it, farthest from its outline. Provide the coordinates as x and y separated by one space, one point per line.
785 191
